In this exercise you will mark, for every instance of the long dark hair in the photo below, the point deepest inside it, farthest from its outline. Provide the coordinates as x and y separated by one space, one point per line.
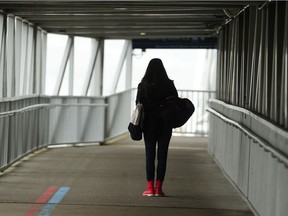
155 73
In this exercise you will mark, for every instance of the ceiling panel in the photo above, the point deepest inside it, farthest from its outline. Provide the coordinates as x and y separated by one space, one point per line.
127 19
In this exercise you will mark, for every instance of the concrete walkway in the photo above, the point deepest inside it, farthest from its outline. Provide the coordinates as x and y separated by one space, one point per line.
109 180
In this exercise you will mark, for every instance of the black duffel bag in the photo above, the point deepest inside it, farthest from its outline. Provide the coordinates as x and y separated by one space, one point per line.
176 111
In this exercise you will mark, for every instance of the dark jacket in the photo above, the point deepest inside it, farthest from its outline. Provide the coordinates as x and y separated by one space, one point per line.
152 96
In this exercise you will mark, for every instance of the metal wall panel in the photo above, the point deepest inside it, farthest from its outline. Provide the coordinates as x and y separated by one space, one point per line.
2 52
22 57
76 119
4 131
118 113
231 149
252 64
284 70
253 153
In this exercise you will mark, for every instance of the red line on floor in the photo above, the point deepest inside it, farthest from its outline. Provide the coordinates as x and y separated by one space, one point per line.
42 199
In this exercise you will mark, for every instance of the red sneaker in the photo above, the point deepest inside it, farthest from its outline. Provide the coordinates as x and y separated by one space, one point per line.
150 189
158 190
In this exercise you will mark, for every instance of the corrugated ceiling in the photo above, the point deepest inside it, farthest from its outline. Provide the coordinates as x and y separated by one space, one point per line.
127 19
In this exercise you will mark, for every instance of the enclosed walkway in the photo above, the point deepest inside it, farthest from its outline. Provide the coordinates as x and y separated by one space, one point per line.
110 179
247 110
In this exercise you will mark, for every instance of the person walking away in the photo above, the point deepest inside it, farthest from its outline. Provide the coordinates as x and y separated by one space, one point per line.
154 87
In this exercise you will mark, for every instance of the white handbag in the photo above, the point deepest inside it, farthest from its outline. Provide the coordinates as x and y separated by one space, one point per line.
135 126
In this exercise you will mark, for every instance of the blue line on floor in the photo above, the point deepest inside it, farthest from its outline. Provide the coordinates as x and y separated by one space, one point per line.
54 201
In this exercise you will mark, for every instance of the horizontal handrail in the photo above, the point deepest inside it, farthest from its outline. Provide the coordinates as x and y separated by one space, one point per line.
282 157
22 110
250 113
36 106
87 105
202 91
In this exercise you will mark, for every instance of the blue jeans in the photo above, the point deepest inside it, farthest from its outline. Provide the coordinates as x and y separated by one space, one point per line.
156 135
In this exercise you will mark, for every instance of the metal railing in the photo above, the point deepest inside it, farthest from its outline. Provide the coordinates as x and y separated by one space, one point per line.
33 122
197 125
23 128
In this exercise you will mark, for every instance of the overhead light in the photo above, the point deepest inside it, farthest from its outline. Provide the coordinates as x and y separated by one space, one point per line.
120 8
142 33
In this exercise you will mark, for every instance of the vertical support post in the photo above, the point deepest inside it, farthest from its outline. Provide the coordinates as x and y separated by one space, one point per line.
2 51
18 37
96 85
91 68
24 39
120 66
37 62
211 76
28 59
63 66
128 83
43 61
31 60
100 74
228 63
71 69
220 66
10 56
2 32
